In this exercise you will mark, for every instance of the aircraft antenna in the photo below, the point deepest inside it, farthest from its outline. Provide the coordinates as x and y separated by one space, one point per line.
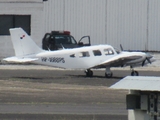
121 47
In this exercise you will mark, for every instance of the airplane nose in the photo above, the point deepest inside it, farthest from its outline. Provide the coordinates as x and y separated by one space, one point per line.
153 59
149 56
148 59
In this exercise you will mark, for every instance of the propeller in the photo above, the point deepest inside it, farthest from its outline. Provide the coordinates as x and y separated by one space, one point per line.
143 62
148 56
148 59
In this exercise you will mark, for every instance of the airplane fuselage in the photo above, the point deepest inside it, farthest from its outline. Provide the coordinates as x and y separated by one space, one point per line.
81 58
77 58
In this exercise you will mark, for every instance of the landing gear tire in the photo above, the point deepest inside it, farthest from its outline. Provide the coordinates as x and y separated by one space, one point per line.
108 75
134 73
89 73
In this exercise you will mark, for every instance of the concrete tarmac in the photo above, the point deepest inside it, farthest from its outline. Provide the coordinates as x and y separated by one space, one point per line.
31 92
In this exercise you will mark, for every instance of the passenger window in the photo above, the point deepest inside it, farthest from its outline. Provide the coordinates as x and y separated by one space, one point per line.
108 52
97 53
84 54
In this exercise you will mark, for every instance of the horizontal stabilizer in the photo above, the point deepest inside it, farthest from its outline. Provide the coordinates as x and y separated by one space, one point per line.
20 60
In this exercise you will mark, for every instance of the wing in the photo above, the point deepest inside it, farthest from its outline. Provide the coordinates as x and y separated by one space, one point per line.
20 60
118 60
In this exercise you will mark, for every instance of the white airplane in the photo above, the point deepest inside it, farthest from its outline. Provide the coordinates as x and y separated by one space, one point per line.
87 58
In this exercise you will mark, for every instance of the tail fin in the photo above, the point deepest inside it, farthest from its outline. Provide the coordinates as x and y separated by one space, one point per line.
22 43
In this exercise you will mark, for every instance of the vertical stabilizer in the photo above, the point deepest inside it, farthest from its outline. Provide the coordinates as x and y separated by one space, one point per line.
22 43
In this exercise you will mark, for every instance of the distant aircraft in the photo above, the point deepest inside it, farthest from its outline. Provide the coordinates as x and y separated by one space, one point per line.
87 58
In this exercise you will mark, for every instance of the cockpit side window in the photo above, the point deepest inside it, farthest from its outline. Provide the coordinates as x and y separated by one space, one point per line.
108 51
97 53
117 51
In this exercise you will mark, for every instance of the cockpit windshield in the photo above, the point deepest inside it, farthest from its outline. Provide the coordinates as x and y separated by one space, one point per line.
117 50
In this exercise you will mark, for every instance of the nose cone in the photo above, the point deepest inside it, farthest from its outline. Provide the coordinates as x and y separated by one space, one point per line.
150 58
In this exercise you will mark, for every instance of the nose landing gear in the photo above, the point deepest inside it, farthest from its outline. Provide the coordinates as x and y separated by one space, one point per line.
134 73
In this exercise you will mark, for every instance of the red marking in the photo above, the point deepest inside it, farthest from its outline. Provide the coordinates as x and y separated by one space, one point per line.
22 37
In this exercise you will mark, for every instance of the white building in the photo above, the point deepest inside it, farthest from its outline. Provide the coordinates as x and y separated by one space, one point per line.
132 23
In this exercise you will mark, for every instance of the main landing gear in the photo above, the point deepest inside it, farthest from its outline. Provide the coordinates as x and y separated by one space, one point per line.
108 72
134 73
89 73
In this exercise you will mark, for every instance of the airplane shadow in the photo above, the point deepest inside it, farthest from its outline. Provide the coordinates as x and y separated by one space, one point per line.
94 76
96 80
27 78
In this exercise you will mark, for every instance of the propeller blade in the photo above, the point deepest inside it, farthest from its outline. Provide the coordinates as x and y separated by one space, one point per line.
148 60
143 62
149 56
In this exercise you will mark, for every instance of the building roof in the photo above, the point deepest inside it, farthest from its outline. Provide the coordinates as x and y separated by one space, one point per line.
142 83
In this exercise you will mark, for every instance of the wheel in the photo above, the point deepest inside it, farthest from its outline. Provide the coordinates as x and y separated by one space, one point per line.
108 75
134 73
89 73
